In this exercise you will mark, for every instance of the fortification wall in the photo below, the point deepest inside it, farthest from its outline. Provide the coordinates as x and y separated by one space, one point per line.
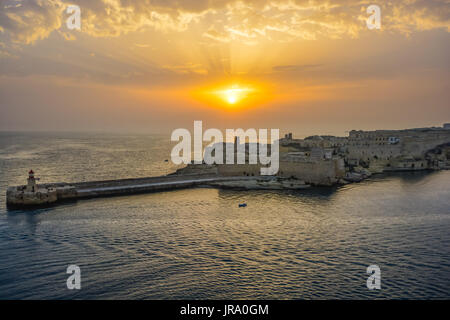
375 145
323 172
239 169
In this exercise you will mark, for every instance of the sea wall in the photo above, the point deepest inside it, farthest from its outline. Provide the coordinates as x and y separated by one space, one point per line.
321 172
20 196
51 193
317 172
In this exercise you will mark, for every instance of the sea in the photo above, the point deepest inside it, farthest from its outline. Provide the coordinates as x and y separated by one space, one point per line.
199 244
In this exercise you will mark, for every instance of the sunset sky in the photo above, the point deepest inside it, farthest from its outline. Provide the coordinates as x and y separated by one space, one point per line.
310 67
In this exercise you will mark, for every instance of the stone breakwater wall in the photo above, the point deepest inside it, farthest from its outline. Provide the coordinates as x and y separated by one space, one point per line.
57 192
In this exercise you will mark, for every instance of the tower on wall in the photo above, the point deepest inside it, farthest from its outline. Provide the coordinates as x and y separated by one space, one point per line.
31 186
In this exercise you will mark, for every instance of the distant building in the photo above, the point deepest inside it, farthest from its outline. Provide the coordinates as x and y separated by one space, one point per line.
385 148
379 149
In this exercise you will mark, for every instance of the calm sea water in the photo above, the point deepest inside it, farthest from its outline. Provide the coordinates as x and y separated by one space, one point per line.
197 243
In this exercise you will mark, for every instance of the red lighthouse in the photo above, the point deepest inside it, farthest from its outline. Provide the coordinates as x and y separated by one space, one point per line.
31 187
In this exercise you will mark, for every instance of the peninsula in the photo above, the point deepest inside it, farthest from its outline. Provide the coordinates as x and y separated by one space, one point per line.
313 161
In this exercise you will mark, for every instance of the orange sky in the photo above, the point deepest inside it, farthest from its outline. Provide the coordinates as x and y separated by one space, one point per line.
151 66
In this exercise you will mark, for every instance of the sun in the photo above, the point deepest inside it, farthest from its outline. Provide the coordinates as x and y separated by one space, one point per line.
231 96
232 99
234 94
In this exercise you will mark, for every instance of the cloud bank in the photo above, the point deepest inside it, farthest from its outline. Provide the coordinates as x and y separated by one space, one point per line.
223 21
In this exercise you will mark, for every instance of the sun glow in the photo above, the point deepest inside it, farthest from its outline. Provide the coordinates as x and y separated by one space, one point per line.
234 94
231 97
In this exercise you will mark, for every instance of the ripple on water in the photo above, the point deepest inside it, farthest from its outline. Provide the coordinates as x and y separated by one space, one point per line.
197 244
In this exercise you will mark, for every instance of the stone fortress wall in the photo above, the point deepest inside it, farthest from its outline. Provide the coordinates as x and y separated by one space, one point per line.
383 150
387 150
317 172
384 144
326 160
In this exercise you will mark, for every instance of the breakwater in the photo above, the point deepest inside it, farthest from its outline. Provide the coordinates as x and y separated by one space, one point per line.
42 194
